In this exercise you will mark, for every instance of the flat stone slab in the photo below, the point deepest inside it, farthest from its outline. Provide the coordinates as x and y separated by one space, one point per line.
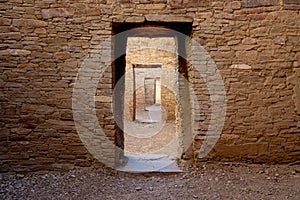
150 163
147 121
168 18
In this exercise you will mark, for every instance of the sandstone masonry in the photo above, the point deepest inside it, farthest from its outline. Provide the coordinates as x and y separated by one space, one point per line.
254 43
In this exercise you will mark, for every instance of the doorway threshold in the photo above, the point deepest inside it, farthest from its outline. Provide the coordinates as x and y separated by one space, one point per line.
150 163
147 121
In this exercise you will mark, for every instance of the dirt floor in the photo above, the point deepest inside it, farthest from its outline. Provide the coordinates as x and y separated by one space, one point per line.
155 139
209 181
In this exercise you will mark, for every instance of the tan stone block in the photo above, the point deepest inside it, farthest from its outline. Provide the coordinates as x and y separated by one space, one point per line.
62 55
217 4
240 66
11 36
119 19
257 3
297 57
135 19
247 55
233 42
5 21
280 40
104 99
151 6
260 16
248 41
15 52
234 5
261 31
168 18
204 15
221 54
40 31
29 23
229 137
21 131
243 47
57 12
91 12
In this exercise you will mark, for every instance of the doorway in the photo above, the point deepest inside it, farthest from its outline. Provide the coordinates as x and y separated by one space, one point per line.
151 85
146 106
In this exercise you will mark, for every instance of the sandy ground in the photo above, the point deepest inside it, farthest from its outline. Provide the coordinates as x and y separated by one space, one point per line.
208 181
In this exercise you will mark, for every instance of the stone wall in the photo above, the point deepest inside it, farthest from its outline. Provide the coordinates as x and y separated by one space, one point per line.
254 43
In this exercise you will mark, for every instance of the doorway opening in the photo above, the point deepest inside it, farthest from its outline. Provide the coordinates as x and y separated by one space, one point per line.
146 105
151 131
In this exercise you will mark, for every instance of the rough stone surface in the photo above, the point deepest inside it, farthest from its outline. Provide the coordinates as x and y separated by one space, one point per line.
168 18
57 12
257 3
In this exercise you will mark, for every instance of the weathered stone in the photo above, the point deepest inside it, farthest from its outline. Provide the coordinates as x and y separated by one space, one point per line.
217 4
29 23
248 41
15 52
5 22
234 5
11 36
104 99
62 55
119 19
291 1
57 12
291 7
21 131
193 3
135 19
168 18
151 6
291 4
40 31
240 66
257 3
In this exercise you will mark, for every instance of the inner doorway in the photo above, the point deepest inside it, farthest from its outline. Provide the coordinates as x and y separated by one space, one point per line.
146 105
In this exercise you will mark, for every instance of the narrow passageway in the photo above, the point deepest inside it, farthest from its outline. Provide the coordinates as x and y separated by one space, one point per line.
150 130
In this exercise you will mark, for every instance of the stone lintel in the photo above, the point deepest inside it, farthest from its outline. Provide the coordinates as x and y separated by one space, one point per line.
135 19
167 18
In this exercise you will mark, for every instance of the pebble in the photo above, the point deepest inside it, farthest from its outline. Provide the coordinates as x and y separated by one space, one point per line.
138 188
